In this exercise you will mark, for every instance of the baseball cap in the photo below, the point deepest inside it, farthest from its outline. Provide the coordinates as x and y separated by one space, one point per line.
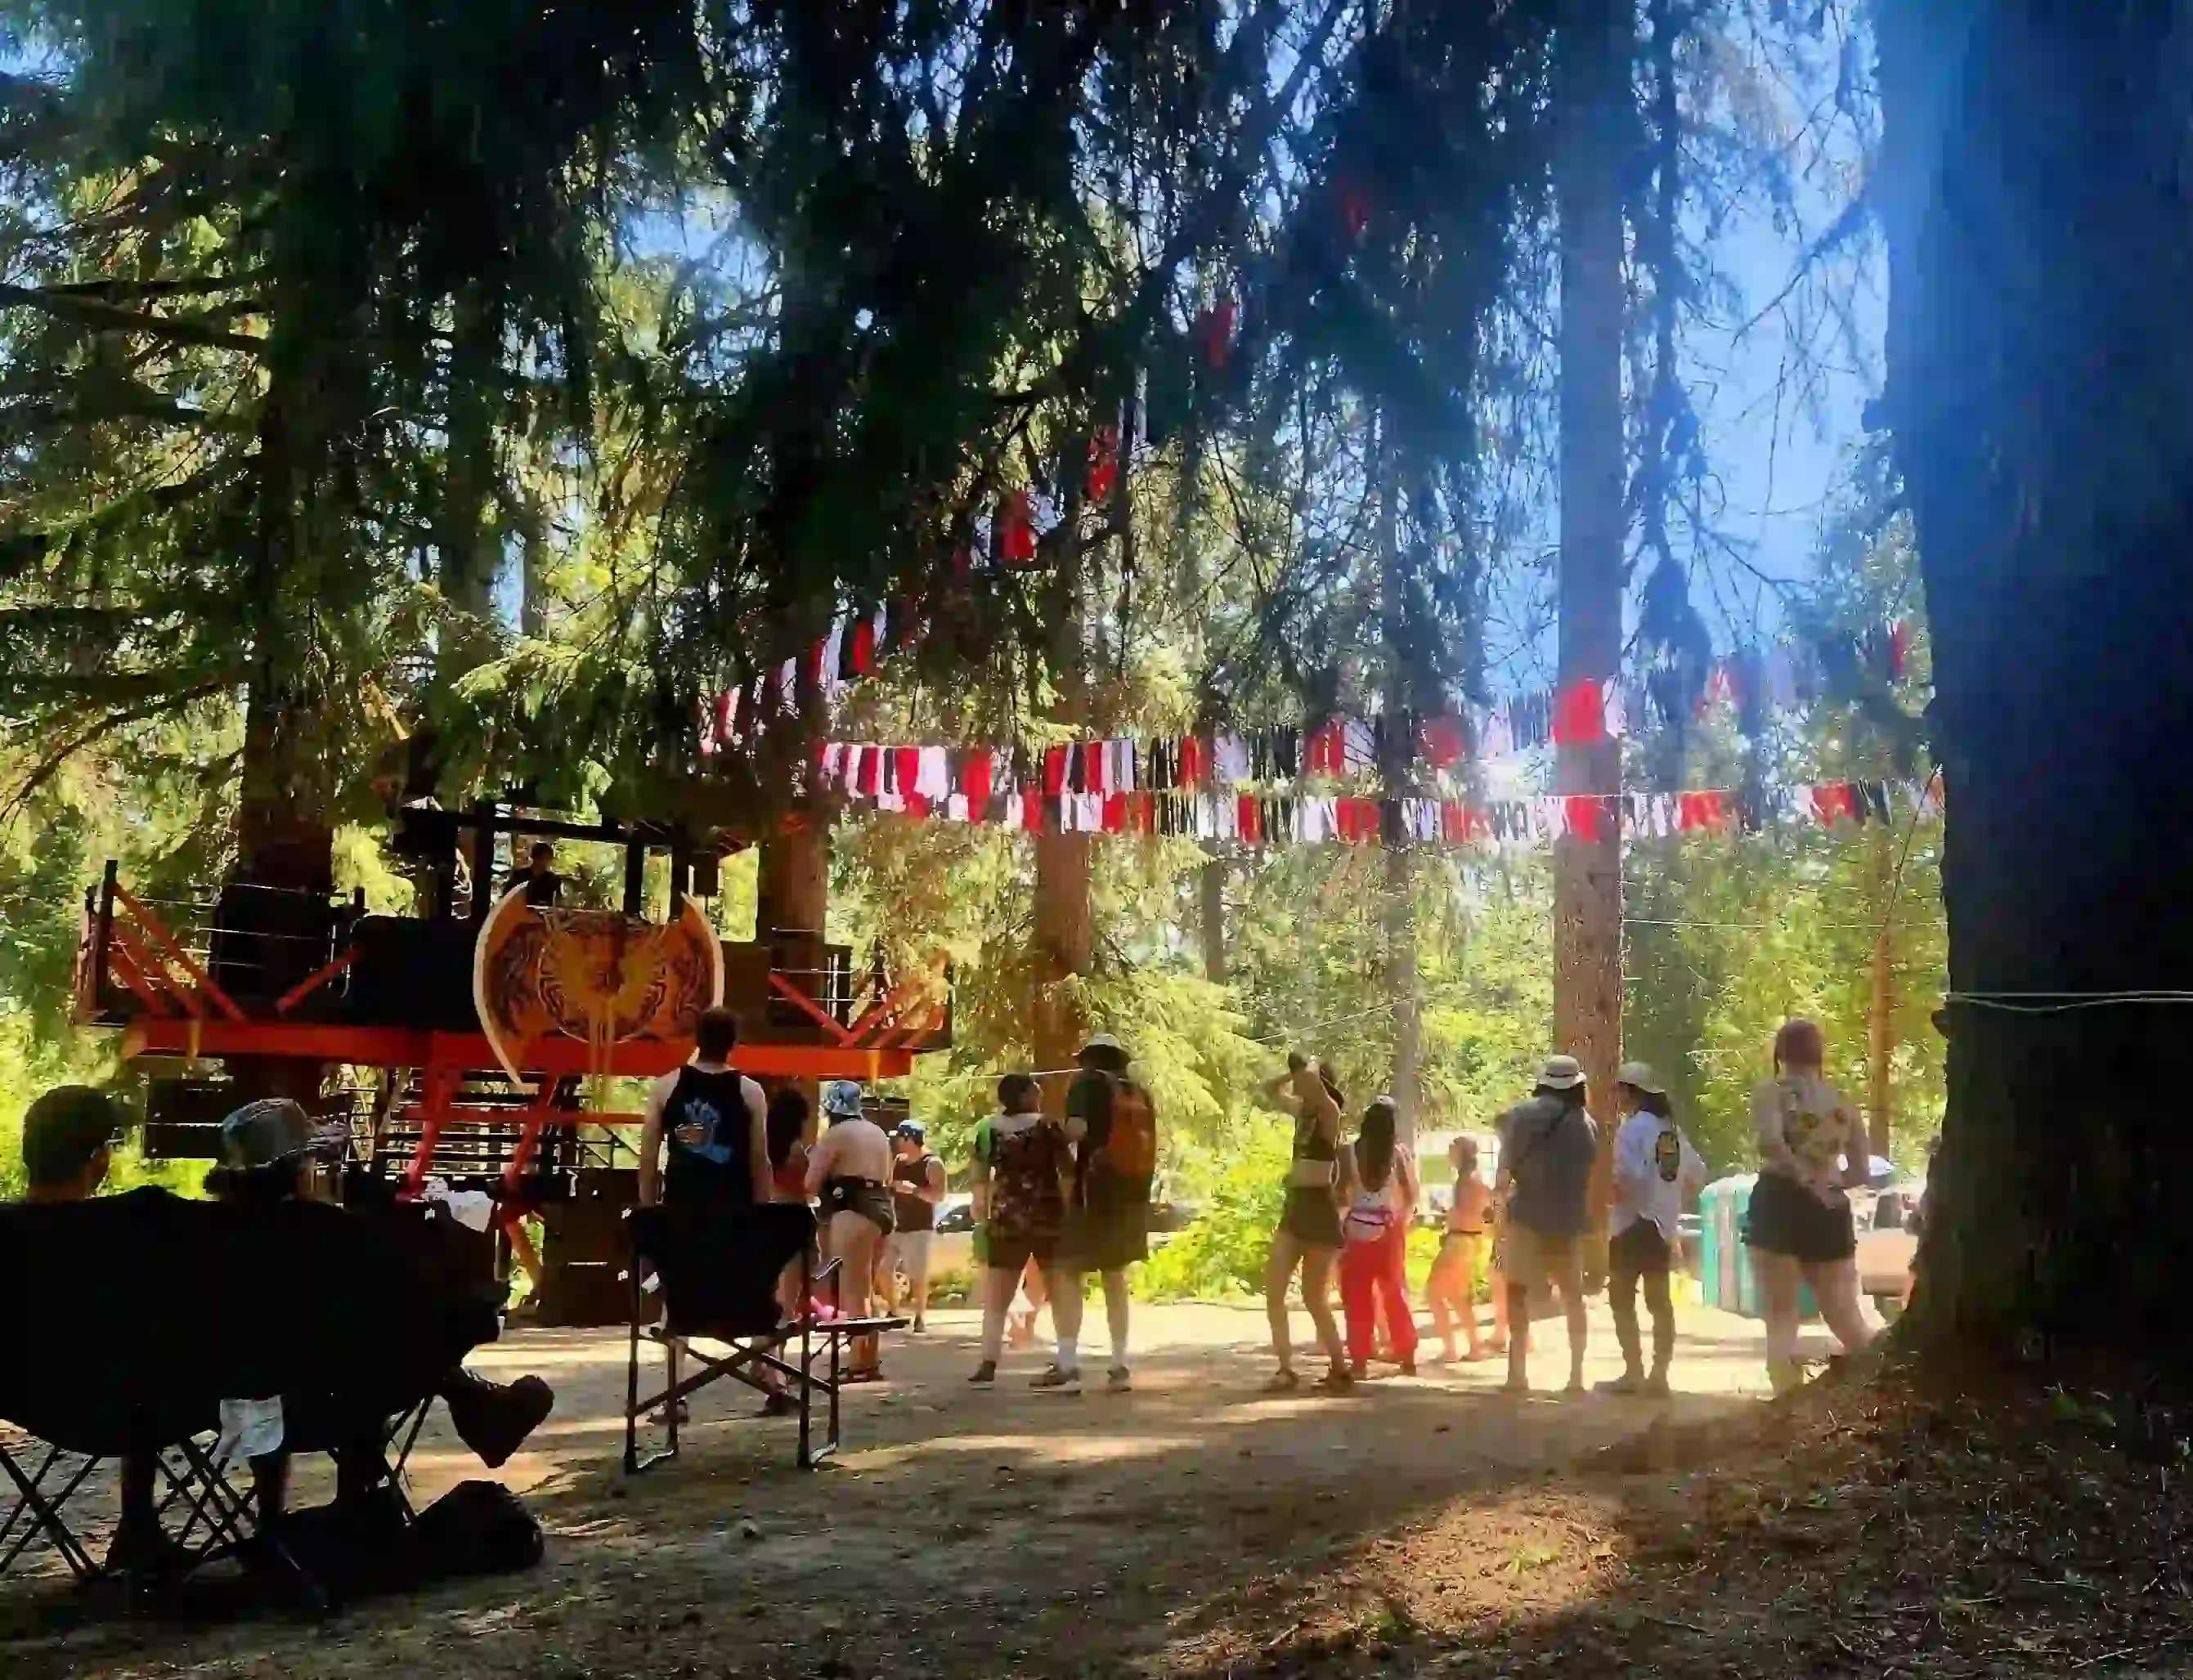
910 1128
273 1128
64 1129
1638 1075
842 1098
1561 1073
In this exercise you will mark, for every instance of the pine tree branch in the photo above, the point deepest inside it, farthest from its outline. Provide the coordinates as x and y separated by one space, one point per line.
98 316
92 733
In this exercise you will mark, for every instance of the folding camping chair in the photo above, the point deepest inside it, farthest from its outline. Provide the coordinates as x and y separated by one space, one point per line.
717 1274
195 1470
199 1476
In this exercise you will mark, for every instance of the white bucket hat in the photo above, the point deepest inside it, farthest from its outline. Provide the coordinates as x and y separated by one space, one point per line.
1561 1073
1638 1075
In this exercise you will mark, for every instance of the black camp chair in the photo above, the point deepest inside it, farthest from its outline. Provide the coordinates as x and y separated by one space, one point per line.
46 1480
716 1277
145 1309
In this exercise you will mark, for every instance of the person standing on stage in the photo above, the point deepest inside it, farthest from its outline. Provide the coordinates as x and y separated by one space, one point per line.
1655 1168
918 1184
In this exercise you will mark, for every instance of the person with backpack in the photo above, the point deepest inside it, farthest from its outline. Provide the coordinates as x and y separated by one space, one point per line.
1374 1243
1022 1165
1112 1124
1548 1146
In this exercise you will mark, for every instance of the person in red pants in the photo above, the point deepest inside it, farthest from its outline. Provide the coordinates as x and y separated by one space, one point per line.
1374 1242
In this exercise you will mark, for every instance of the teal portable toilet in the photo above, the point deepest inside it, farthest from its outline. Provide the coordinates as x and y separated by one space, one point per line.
1727 1278
1722 1259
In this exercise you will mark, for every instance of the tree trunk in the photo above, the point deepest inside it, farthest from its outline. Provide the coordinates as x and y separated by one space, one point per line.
468 558
1594 50
285 801
1880 1010
2041 362
1065 948
1395 774
1210 893
1401 990
791 894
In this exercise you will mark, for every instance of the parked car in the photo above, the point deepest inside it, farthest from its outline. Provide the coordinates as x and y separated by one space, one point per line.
1887 1241
952 1249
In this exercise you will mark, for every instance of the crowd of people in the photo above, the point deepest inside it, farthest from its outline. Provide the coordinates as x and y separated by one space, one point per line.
1062 1193
1348 1204
1059 1199
1059 1196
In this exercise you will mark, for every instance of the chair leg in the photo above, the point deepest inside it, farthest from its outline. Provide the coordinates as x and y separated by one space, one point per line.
226 1513
632 1381
45 1516
807 1357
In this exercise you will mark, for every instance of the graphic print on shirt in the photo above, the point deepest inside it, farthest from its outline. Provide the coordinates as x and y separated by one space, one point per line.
1027 1200
1815 1125
1668 1155
697 1128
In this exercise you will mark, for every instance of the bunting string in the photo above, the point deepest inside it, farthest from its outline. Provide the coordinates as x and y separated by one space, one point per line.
1105 787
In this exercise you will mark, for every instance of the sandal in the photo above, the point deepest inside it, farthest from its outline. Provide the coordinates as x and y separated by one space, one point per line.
1282 1382
1337 1380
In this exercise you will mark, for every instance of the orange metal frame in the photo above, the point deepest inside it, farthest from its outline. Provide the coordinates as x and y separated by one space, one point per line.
176 990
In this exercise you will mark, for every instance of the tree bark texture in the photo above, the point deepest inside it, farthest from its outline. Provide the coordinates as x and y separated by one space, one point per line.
1881 1006
1065 940
1211 912
463 538
1594 49
1395 773
2041 381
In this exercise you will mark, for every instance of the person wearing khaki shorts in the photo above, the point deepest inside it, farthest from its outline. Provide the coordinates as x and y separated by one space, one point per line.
1537 1261
1547 1148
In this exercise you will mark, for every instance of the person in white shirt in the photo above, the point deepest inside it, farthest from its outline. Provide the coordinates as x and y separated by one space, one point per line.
1655 1170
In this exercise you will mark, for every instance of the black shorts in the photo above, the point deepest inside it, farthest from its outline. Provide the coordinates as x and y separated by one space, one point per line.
1011 1251
1638 1250
1787 1219
1110 1230
1312 1217
871 1200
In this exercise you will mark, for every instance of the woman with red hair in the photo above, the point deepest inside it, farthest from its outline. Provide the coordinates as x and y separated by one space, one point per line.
1812 1150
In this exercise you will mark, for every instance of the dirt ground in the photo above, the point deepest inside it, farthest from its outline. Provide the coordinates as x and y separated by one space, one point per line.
1195 1525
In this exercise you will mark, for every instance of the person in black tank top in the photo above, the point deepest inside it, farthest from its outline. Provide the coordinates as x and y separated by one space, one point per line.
708 1132
917 1186
707 1117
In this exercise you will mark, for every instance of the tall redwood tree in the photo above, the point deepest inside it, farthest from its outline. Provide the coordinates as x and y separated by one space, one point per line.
2040 195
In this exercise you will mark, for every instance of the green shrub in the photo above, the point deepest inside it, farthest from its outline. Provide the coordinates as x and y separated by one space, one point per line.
1221 1255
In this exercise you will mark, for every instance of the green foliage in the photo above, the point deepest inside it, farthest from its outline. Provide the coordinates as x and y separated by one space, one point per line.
1223 1254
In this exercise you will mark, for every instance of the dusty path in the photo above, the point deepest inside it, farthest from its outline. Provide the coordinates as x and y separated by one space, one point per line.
1185 1525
